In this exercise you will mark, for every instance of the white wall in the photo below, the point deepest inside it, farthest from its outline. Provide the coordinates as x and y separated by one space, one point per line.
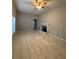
56 18
25 21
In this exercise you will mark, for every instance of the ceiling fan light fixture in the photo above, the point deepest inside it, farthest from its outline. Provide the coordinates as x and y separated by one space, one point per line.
38 4
38 7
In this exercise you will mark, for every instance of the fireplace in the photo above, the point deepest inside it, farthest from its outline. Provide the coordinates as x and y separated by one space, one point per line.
44 28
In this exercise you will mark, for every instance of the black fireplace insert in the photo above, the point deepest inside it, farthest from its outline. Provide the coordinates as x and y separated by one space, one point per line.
44 28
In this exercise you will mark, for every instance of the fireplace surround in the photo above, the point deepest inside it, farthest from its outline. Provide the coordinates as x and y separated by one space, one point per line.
44 27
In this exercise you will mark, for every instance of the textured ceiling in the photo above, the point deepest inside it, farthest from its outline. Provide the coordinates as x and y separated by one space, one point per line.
23 6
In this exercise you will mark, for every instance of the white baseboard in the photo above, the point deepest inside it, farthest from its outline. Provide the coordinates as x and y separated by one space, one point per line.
57 37
53 35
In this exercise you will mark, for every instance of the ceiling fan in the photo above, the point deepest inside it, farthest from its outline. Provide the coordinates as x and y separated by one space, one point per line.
38 4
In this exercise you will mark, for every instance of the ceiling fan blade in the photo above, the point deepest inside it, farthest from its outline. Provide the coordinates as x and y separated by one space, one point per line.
39 3
36 0
43 7
47 0
45 3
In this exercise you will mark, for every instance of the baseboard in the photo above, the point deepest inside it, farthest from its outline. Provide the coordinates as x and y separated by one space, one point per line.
57 37
50 34
26 30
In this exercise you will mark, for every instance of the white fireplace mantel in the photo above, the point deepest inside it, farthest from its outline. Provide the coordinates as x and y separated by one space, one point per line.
45 24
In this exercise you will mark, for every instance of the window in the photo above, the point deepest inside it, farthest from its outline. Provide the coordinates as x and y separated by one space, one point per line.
13 24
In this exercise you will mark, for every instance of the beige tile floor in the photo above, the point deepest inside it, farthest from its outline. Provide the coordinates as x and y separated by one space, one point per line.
36 45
